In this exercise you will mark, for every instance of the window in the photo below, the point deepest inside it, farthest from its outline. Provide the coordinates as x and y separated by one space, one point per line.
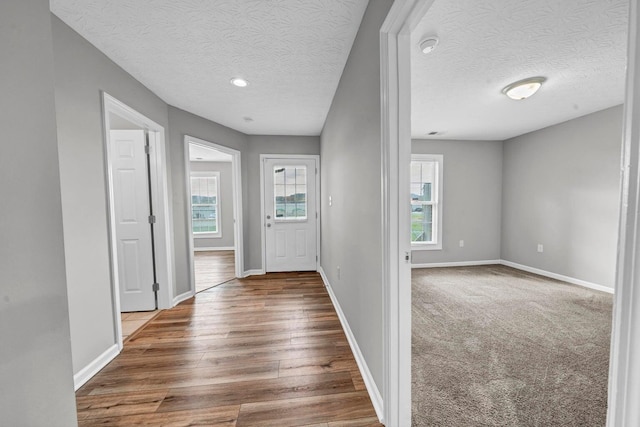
205 204
426 201
290 192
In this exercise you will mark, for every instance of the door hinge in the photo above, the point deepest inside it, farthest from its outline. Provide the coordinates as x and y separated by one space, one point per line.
316 258
147 149
155 287
152 219
316 215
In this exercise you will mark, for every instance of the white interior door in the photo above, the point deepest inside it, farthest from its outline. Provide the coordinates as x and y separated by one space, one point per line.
133 230
290 214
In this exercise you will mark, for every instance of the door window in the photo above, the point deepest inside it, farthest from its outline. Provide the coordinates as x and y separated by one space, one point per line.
290 193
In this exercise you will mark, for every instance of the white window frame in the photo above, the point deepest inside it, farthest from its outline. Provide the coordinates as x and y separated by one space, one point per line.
208 234
436 195
306 205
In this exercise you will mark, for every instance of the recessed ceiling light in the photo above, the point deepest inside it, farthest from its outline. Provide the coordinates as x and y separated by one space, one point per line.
523 89
239 81
428 44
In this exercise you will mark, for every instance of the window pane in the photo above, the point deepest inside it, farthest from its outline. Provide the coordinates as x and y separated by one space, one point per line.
424 198
204 204
422 223
290 192
301 175
416 190
416 172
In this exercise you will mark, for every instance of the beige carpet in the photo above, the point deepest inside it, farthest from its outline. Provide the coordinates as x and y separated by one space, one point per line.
494 346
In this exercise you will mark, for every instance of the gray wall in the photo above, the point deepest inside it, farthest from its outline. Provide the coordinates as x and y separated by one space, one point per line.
36 386
226 205
351 175
561 188
260 144
472 200
81 72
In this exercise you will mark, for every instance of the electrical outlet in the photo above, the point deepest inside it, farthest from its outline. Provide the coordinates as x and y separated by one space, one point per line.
338 272
462 243
540 248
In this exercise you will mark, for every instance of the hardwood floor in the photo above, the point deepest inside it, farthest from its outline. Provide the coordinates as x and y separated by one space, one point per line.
262 351
133 321
213 268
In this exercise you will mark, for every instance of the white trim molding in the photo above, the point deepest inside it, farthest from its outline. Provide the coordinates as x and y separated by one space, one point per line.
522 267
183 297
557 276
163 231
256 272
395 122
220 248
95 366
457 264
236 184
372 388
624 362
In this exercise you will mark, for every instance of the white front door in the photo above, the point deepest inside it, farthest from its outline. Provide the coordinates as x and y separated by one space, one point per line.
290 210
133 230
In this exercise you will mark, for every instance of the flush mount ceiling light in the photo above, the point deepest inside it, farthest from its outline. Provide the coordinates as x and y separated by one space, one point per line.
239 82
428 44
523 89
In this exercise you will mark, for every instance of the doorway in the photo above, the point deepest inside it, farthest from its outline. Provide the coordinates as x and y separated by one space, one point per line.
138 212
290 214
623 375
214 198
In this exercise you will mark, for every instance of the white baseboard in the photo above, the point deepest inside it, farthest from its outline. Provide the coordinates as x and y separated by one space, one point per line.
94 367
457 264
257 272
556 276
220 248
185 296
374 393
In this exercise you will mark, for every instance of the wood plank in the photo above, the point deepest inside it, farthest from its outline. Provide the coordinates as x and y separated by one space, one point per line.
154 379
213 267
211 417
256 391
363 422
317 365
138 402
306 410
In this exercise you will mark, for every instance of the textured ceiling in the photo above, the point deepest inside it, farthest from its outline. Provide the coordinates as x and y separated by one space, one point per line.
292 52
578 45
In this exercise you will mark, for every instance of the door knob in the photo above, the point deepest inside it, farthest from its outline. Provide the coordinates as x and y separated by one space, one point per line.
268 216
268 225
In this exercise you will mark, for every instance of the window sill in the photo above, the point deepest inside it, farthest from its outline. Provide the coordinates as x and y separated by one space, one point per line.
427 247
207 235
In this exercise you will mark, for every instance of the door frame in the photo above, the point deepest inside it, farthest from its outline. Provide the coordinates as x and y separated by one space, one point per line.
236 184
263 233
160 198
395 81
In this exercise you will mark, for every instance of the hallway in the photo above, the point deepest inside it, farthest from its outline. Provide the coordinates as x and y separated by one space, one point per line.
267 350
